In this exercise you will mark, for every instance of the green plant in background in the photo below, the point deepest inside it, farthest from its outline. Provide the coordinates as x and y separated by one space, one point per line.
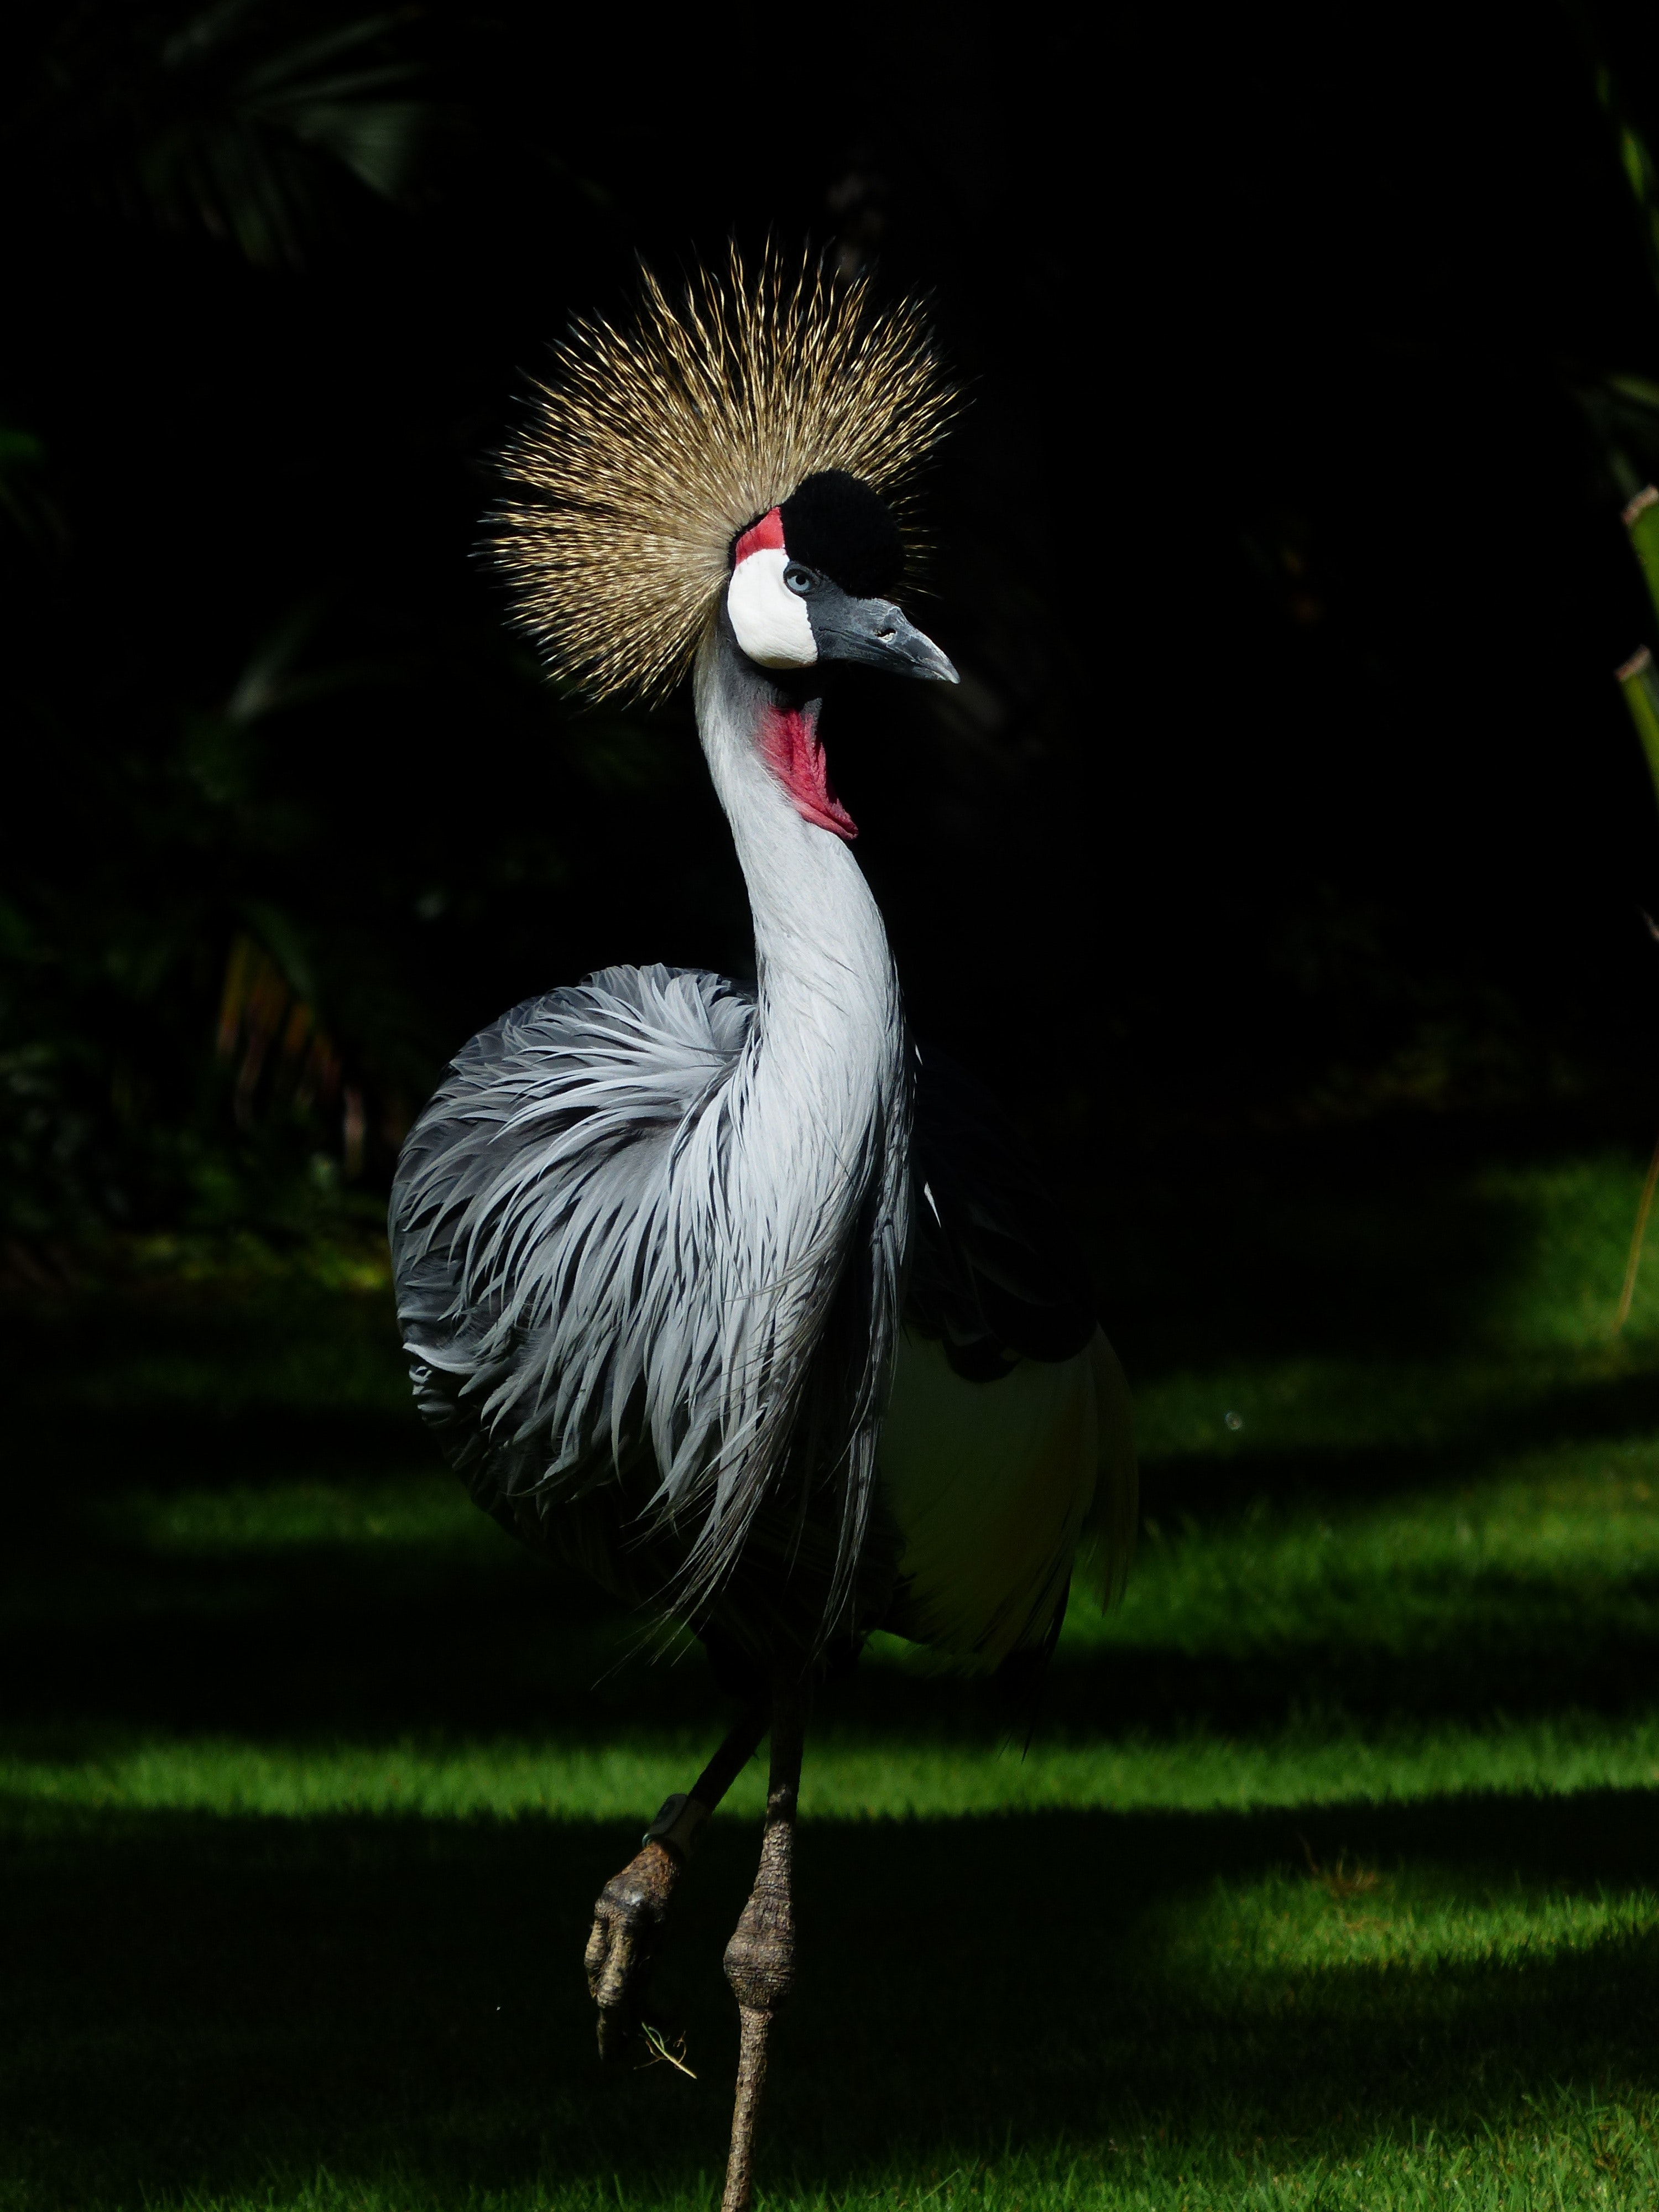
1621 406
272 267
1639 682
263 125
239 915
247 119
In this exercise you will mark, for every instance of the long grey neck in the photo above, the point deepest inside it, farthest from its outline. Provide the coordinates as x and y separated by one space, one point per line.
828 993
815 1145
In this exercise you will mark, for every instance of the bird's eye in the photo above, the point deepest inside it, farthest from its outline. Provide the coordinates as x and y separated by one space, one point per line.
798 579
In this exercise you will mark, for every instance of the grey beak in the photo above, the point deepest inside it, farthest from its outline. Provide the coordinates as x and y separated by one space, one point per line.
875 633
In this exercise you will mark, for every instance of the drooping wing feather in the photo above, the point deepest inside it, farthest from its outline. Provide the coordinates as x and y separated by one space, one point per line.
528 1221
997 1282
575 1307
993 1273
599 1277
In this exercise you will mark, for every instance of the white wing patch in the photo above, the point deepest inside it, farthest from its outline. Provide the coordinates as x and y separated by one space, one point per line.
994 1485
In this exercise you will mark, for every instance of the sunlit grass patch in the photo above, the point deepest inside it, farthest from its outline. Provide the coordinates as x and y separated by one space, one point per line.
1338 1913
1525 1339
1606 2155
1602 2155
852 1772
1577 1527
1325 1882
228 1776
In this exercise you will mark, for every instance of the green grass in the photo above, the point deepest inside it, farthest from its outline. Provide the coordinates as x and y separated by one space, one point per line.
1330 1878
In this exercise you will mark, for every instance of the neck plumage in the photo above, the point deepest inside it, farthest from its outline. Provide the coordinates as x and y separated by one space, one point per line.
829 994
817 1122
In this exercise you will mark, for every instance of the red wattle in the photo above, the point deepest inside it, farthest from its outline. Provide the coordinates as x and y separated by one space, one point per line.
789 741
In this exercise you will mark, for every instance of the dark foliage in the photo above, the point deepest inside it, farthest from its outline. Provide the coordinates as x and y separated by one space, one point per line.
1280 551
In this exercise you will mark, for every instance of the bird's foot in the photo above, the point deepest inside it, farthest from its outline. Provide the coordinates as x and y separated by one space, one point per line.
630 1918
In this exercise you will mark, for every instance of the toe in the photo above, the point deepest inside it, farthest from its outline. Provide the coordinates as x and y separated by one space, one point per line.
598 1951
628 1925
624 1958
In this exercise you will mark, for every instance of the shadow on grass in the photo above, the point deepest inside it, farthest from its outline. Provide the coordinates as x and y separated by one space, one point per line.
341 1643
1483 1436
215 2006
65 1452
171 1380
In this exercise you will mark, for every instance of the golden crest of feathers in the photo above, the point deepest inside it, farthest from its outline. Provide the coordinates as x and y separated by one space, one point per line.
653 445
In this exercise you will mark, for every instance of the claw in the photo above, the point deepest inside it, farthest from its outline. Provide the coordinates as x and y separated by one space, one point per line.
627 1934
632 1908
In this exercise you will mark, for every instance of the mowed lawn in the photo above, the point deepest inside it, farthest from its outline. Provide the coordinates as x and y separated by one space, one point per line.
1330 1876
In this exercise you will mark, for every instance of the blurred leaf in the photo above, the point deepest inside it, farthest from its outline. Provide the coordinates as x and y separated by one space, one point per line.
261 685
284 940
26 497
273 678
362 116
1639 682
17 937
238 119
1641 519
1635 160
1642 390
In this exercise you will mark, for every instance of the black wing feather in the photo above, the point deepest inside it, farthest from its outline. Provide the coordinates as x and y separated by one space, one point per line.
994 1274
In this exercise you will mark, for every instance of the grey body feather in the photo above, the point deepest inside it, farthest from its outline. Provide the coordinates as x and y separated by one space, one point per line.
590 1304
651 1240
592 1353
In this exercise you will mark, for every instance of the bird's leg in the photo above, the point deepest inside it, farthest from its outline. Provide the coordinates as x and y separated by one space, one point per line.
631 1909
760 1960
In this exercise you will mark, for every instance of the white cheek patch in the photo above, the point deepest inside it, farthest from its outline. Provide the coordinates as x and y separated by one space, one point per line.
769 620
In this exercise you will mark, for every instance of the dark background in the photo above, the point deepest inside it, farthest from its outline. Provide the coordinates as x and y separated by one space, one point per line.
1285 853
1288 801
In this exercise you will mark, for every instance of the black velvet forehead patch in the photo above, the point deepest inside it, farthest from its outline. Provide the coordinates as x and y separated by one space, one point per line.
838 525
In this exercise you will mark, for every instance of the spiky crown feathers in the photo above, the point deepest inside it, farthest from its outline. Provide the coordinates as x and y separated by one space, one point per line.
652 446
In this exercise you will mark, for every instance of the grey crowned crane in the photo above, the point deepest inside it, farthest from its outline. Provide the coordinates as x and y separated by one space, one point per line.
738 1302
